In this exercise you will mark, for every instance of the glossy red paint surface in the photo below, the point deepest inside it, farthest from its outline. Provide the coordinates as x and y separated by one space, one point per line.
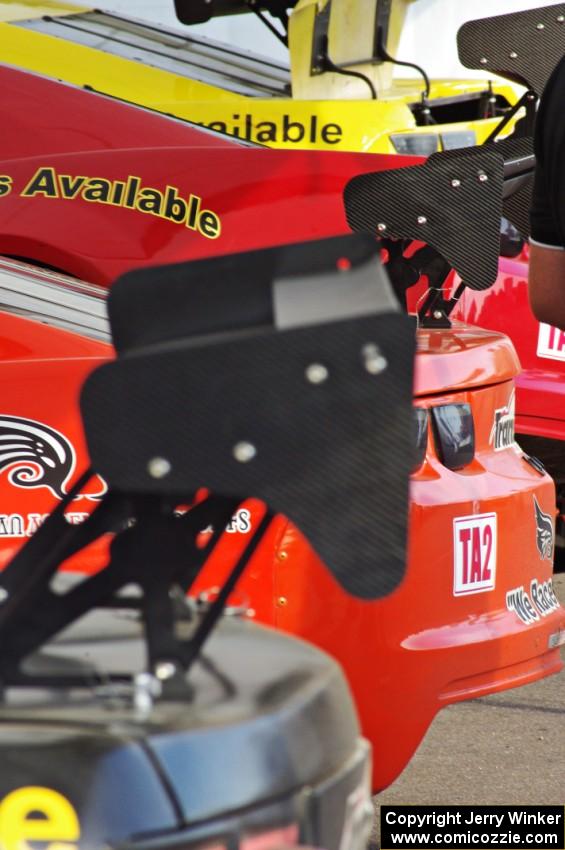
464 358
260 196
540 399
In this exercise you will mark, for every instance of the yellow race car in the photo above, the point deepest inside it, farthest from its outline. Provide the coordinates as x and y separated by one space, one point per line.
339 92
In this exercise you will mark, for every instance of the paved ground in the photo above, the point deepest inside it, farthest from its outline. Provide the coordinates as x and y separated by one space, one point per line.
503 749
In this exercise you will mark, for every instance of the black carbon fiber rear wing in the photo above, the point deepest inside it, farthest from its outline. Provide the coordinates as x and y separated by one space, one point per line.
519 167
522 46
284 375
453 203
268 374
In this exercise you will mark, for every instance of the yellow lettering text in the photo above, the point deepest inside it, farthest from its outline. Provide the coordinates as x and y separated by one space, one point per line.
37 814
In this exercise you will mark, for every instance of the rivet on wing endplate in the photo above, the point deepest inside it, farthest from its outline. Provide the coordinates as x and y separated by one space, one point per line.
381 227
513 55
456 183
158 467
484 60
438 314
373 359
244 452
316 373
165 670
422 219
560 19
540 27
483 178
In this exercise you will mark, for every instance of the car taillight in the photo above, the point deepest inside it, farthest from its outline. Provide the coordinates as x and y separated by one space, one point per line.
454 434
421 437
416 144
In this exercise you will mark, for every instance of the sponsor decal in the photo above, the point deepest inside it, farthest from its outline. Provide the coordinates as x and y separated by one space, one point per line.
502 433
35 814
530 607
551 343
474 546
130 193
35 455
240 523
25 525
544 533
281 129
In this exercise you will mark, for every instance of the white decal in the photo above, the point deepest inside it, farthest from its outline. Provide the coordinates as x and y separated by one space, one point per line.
25 525
551 343
543 596
502 433
474 547
240 523
540 602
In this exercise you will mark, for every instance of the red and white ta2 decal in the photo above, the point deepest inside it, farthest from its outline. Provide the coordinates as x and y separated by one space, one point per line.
551 343
474 554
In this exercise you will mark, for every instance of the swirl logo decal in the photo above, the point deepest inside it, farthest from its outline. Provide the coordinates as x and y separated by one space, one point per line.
35 455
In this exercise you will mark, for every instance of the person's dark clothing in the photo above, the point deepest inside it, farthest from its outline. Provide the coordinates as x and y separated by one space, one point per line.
547 216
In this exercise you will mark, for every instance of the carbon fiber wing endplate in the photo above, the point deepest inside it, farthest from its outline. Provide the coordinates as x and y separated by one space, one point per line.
521 46
519 166
315 419
452 202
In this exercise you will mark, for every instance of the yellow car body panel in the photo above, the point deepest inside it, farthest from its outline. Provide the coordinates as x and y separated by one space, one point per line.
12 10
351 36
86 66
363 125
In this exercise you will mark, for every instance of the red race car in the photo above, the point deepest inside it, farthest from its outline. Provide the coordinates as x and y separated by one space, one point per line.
539 407
476 612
